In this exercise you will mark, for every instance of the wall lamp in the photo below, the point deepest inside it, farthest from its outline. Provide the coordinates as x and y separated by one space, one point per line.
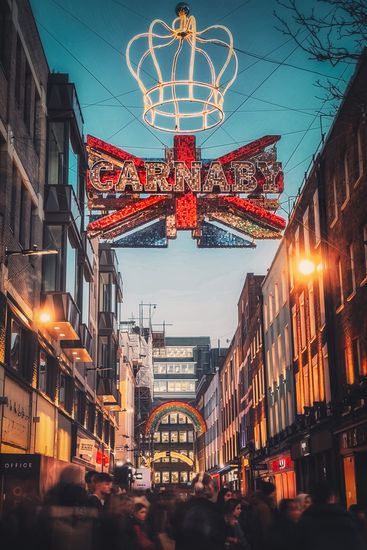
34 251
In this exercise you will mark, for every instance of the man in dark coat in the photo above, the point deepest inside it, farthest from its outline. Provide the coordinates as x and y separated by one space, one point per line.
197 524
326 525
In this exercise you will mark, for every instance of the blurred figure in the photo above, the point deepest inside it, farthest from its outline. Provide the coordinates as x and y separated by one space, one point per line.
235 537
197 523
224 495
326 525
89 482
263 514
66 522
116 525
102 489
140 539
360 516
304 501
285 533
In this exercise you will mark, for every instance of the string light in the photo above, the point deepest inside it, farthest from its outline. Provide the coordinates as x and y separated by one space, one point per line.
182 103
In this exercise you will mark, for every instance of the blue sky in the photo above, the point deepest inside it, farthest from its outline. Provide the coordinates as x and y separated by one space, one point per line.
195 290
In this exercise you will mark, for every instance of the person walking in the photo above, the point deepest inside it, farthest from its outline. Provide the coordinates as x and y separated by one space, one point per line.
285 532
326 525
140 539
102 489
235 537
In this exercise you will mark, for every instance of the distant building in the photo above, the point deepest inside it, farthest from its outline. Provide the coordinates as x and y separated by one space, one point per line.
177 366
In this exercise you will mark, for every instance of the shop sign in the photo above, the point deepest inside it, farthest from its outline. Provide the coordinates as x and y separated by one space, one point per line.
259 467
19 463
282 463
305 447
86 448
16 415
355 437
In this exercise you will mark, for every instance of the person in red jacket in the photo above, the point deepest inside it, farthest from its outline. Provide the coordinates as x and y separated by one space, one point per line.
141 540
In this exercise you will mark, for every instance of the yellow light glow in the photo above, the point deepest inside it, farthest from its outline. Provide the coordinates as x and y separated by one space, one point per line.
173 100
45 317
306 267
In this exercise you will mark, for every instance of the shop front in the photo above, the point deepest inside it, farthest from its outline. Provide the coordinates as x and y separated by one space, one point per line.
16 418
282 474
229 477
353 452
315 460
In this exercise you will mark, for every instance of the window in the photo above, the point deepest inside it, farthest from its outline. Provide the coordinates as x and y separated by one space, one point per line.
165 437
184 477
27 105
18 71
321 298
280 356
42 371
356 353
174 477
157 477
160 386
157 437
15 344
276 298
5 42
316 214
290 260
24 228
296 243
302 320
284 287
85 309
286 342
52 265
173 418
165 420
346 191
270 308
62 390
294 330
181 418
71 268
340 294
73 172
334 203
311 310
306 233
306 387
14 197
315 379
174 437
165 477
182 437
190 437
350 275
56 153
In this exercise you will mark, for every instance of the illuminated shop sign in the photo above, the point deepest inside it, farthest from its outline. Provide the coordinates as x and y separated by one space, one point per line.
282 463
239 190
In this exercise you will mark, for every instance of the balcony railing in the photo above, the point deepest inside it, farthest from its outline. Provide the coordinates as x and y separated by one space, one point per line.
108 393
107 323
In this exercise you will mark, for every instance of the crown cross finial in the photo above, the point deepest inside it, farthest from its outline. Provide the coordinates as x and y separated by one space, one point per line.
183 91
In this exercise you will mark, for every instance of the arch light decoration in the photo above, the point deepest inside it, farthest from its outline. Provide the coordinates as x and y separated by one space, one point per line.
173 454
176 72
162 410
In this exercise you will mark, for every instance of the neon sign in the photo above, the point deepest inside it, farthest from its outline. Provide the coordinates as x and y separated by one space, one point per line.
238 190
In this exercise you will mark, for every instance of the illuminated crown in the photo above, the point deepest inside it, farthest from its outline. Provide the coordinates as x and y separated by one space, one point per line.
182 90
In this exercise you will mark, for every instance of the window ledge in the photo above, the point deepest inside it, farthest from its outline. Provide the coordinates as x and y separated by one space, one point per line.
357 182
363 282
345 202
351 296
333 222
340 308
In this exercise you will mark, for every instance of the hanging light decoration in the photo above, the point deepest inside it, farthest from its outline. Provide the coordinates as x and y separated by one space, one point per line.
176 73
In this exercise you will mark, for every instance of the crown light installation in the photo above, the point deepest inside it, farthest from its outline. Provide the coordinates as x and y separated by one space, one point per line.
176 72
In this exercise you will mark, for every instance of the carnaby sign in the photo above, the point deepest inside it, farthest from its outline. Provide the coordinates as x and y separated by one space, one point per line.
239 190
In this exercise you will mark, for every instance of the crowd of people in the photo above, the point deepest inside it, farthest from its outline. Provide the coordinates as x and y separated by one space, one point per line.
105 516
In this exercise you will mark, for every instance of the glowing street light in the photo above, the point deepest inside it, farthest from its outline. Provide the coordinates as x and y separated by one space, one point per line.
45 317
306 267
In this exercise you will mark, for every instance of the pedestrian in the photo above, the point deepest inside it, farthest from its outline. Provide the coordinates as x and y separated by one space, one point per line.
304 501
140 539
263 513
224 495
102 489
285 532
235 537
197 524
89 481
326 525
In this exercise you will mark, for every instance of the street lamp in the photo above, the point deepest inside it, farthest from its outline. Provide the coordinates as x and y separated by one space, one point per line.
306 267
34 251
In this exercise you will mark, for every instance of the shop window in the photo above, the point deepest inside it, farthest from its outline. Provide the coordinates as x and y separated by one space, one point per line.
174 477
157 477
